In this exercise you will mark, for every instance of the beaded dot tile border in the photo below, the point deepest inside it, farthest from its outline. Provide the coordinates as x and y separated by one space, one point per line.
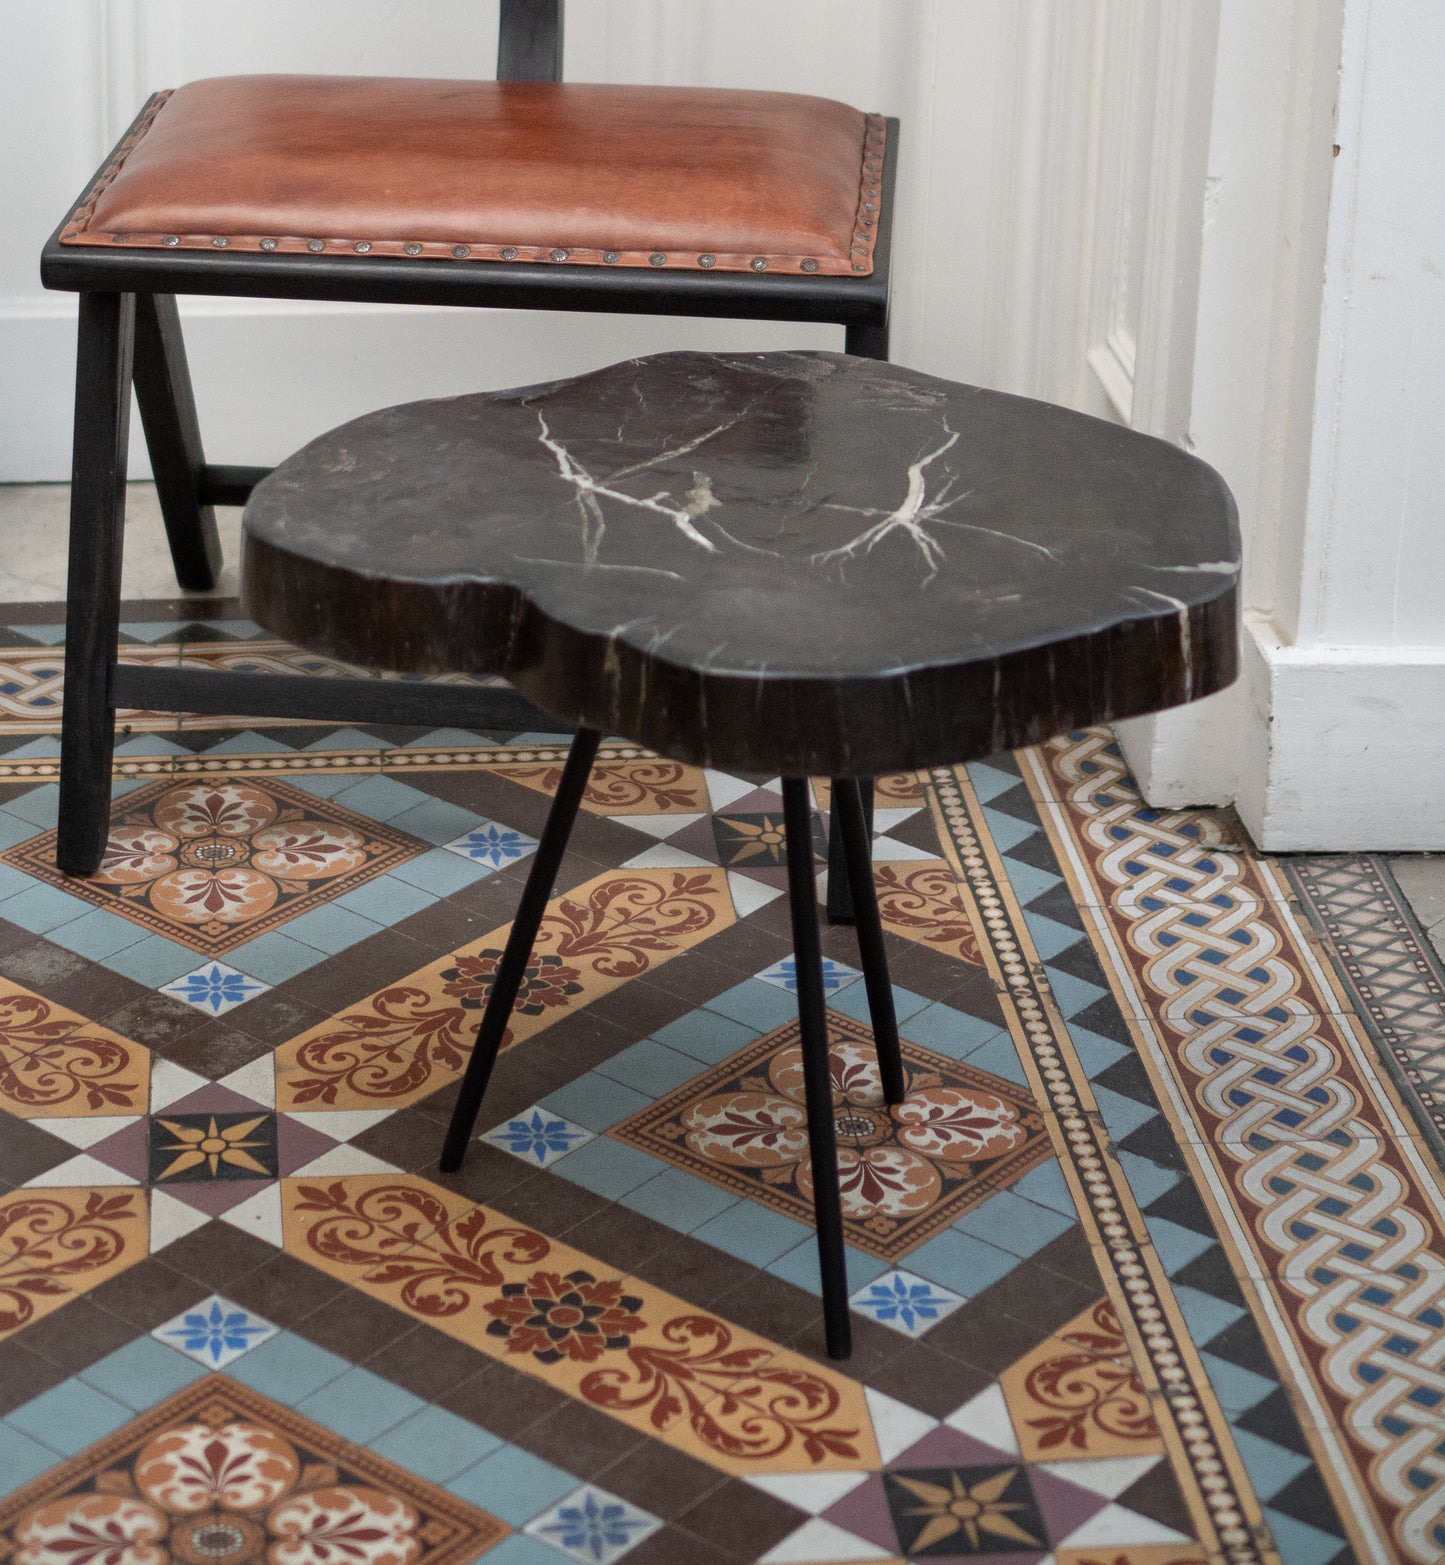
1198 1421
306 763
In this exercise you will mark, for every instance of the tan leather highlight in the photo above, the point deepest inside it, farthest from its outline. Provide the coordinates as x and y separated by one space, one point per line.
529 171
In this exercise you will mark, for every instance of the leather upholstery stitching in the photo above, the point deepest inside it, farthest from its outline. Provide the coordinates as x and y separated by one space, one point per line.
859 260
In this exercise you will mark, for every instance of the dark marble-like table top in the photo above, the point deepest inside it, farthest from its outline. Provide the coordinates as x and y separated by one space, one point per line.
780 562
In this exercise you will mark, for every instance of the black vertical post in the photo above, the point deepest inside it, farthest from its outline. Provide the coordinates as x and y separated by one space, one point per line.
529 41
173 437
92 614
817 1074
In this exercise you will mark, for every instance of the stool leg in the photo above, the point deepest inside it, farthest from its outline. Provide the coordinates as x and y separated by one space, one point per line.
173 438
817 1077
513 966
92 594
858 856
840 900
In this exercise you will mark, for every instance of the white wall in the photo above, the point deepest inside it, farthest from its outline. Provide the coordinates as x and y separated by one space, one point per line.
1346 654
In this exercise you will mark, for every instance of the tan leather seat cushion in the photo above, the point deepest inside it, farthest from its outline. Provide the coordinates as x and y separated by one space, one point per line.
481 170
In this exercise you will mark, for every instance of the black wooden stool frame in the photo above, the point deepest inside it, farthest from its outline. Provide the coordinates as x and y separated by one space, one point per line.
856 850
130 333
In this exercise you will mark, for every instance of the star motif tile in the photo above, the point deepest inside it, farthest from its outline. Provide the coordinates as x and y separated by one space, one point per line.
215 988
537 1136
211 1146
492 845
593 1526
953 1512
215 1332
836 975
906 1303
905 1174
213 864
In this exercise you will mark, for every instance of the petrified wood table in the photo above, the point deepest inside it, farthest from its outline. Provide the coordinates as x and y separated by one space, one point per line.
786 563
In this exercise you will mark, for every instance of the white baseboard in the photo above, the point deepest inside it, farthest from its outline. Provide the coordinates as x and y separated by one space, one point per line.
1344 747
270 376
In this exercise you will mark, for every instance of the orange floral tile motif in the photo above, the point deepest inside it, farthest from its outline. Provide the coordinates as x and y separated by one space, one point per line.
219 1475
643 786
722 1394
904 1174
919 899
55 1063
891 789
1078 1394
57 1244
413 1037
216 862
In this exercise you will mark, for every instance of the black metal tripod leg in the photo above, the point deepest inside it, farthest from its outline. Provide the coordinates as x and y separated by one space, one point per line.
840 896
858 856
173 438
92 614
513 966
817 1077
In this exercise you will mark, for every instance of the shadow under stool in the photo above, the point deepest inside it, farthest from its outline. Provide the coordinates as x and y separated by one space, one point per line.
789 564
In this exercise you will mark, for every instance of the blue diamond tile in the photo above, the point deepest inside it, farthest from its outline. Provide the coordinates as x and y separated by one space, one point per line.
537 1136
905 1303
272 957
593 1526
142 1373
215 1332
153 961
513 1484
836 975
492 845
215 988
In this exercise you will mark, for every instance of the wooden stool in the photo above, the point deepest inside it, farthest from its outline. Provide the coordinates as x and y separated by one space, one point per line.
795 564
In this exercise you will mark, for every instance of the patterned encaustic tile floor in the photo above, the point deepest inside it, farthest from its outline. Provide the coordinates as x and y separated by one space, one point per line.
1148 1270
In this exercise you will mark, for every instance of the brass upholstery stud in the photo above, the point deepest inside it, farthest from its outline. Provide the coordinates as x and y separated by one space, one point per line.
758 263
268 244
362 246
810 265
171 239
611 257
508 253
413 248
858 267
220 241
461 251
657 258
707 260
315 245
559 255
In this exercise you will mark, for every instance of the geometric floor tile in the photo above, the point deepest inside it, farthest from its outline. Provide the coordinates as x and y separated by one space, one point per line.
538 1137
215 1332
219 1473
906 1303
1078 1394
218 863
593 1526
54 1063
836 975
905 1174
492 845
265 1153
214 988
57 1243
